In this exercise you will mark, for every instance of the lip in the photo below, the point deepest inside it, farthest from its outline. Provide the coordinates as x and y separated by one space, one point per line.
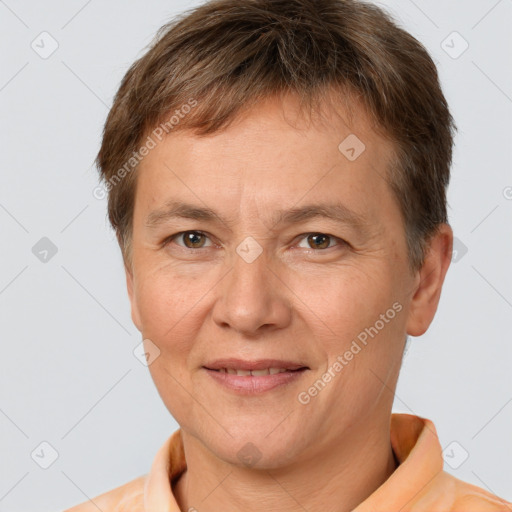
254 384
259 364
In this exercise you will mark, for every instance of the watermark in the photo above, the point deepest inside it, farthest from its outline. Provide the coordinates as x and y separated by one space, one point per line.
249 455
459 250
455 455
44 455
304 397
146 352
151 142
454 45
249 249
351 147
45 45
44 250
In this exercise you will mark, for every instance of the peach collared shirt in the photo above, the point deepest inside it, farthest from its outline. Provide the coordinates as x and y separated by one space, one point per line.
419 484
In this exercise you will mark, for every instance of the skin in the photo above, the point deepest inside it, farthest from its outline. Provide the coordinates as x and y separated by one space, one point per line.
295 301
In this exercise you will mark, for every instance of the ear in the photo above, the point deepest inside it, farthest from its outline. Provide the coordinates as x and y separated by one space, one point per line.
132 296
429 281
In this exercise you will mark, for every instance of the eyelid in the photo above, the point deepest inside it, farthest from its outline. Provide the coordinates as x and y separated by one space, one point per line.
339 241
171 238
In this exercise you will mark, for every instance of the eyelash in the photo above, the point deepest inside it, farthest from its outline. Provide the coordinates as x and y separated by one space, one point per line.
340 241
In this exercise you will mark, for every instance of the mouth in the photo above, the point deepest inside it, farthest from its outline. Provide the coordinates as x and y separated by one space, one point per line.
271 366
254 377
255 373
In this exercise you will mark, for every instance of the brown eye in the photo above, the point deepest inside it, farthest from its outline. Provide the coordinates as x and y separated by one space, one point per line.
319 241
193 239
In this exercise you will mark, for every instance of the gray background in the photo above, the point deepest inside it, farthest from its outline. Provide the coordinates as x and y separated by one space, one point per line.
68 373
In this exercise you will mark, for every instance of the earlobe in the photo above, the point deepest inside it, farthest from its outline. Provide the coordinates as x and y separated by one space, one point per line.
430 279
132 296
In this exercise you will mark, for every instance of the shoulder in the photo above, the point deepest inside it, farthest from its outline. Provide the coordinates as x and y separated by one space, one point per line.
125 498
465 497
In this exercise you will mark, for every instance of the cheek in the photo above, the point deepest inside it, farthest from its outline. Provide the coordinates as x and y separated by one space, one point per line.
170 309
357 316
346 300
173 311
362 342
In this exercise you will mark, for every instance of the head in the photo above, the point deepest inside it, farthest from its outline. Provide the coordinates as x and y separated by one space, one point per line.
277 177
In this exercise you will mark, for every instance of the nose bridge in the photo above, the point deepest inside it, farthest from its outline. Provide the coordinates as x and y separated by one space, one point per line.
250 298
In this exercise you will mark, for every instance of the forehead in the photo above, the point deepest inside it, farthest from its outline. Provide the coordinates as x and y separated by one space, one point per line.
271 157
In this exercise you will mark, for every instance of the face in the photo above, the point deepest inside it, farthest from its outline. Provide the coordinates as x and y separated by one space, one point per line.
265 246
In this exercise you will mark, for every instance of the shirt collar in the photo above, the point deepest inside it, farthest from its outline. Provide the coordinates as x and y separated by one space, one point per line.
413 439
416 445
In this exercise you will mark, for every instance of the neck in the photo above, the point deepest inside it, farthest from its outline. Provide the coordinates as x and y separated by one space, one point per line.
337 478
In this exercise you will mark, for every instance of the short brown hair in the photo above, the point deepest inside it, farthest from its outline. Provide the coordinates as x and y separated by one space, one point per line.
227 54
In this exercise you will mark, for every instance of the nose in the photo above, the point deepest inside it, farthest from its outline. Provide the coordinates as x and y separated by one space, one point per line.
252 299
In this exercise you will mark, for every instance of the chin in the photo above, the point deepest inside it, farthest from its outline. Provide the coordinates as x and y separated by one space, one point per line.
258 447
256 456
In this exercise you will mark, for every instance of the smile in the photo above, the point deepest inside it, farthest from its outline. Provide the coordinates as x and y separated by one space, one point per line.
251 380
255 373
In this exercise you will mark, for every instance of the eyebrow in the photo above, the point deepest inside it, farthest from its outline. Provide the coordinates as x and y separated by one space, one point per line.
334 211
179 210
